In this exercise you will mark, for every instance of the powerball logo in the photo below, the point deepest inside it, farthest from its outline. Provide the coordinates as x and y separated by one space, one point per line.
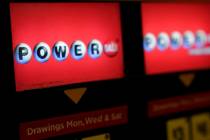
197 43
60 51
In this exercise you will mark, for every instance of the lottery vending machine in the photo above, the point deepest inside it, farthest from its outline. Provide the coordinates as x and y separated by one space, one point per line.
176 53
68 70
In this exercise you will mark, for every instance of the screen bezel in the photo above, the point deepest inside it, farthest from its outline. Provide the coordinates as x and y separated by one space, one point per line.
66 86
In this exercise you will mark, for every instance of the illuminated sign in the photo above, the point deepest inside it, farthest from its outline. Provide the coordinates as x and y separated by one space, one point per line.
175 41
42 51
74 123
201 126
58 44
178 104
176 38
178 129
184 129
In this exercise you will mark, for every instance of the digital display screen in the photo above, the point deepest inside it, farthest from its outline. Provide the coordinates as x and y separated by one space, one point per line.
58 44
176 37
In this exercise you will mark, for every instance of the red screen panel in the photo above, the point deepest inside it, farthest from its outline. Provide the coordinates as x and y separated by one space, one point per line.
176 37
76 26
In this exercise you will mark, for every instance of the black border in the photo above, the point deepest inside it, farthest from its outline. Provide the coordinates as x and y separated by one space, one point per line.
35 99
59 87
